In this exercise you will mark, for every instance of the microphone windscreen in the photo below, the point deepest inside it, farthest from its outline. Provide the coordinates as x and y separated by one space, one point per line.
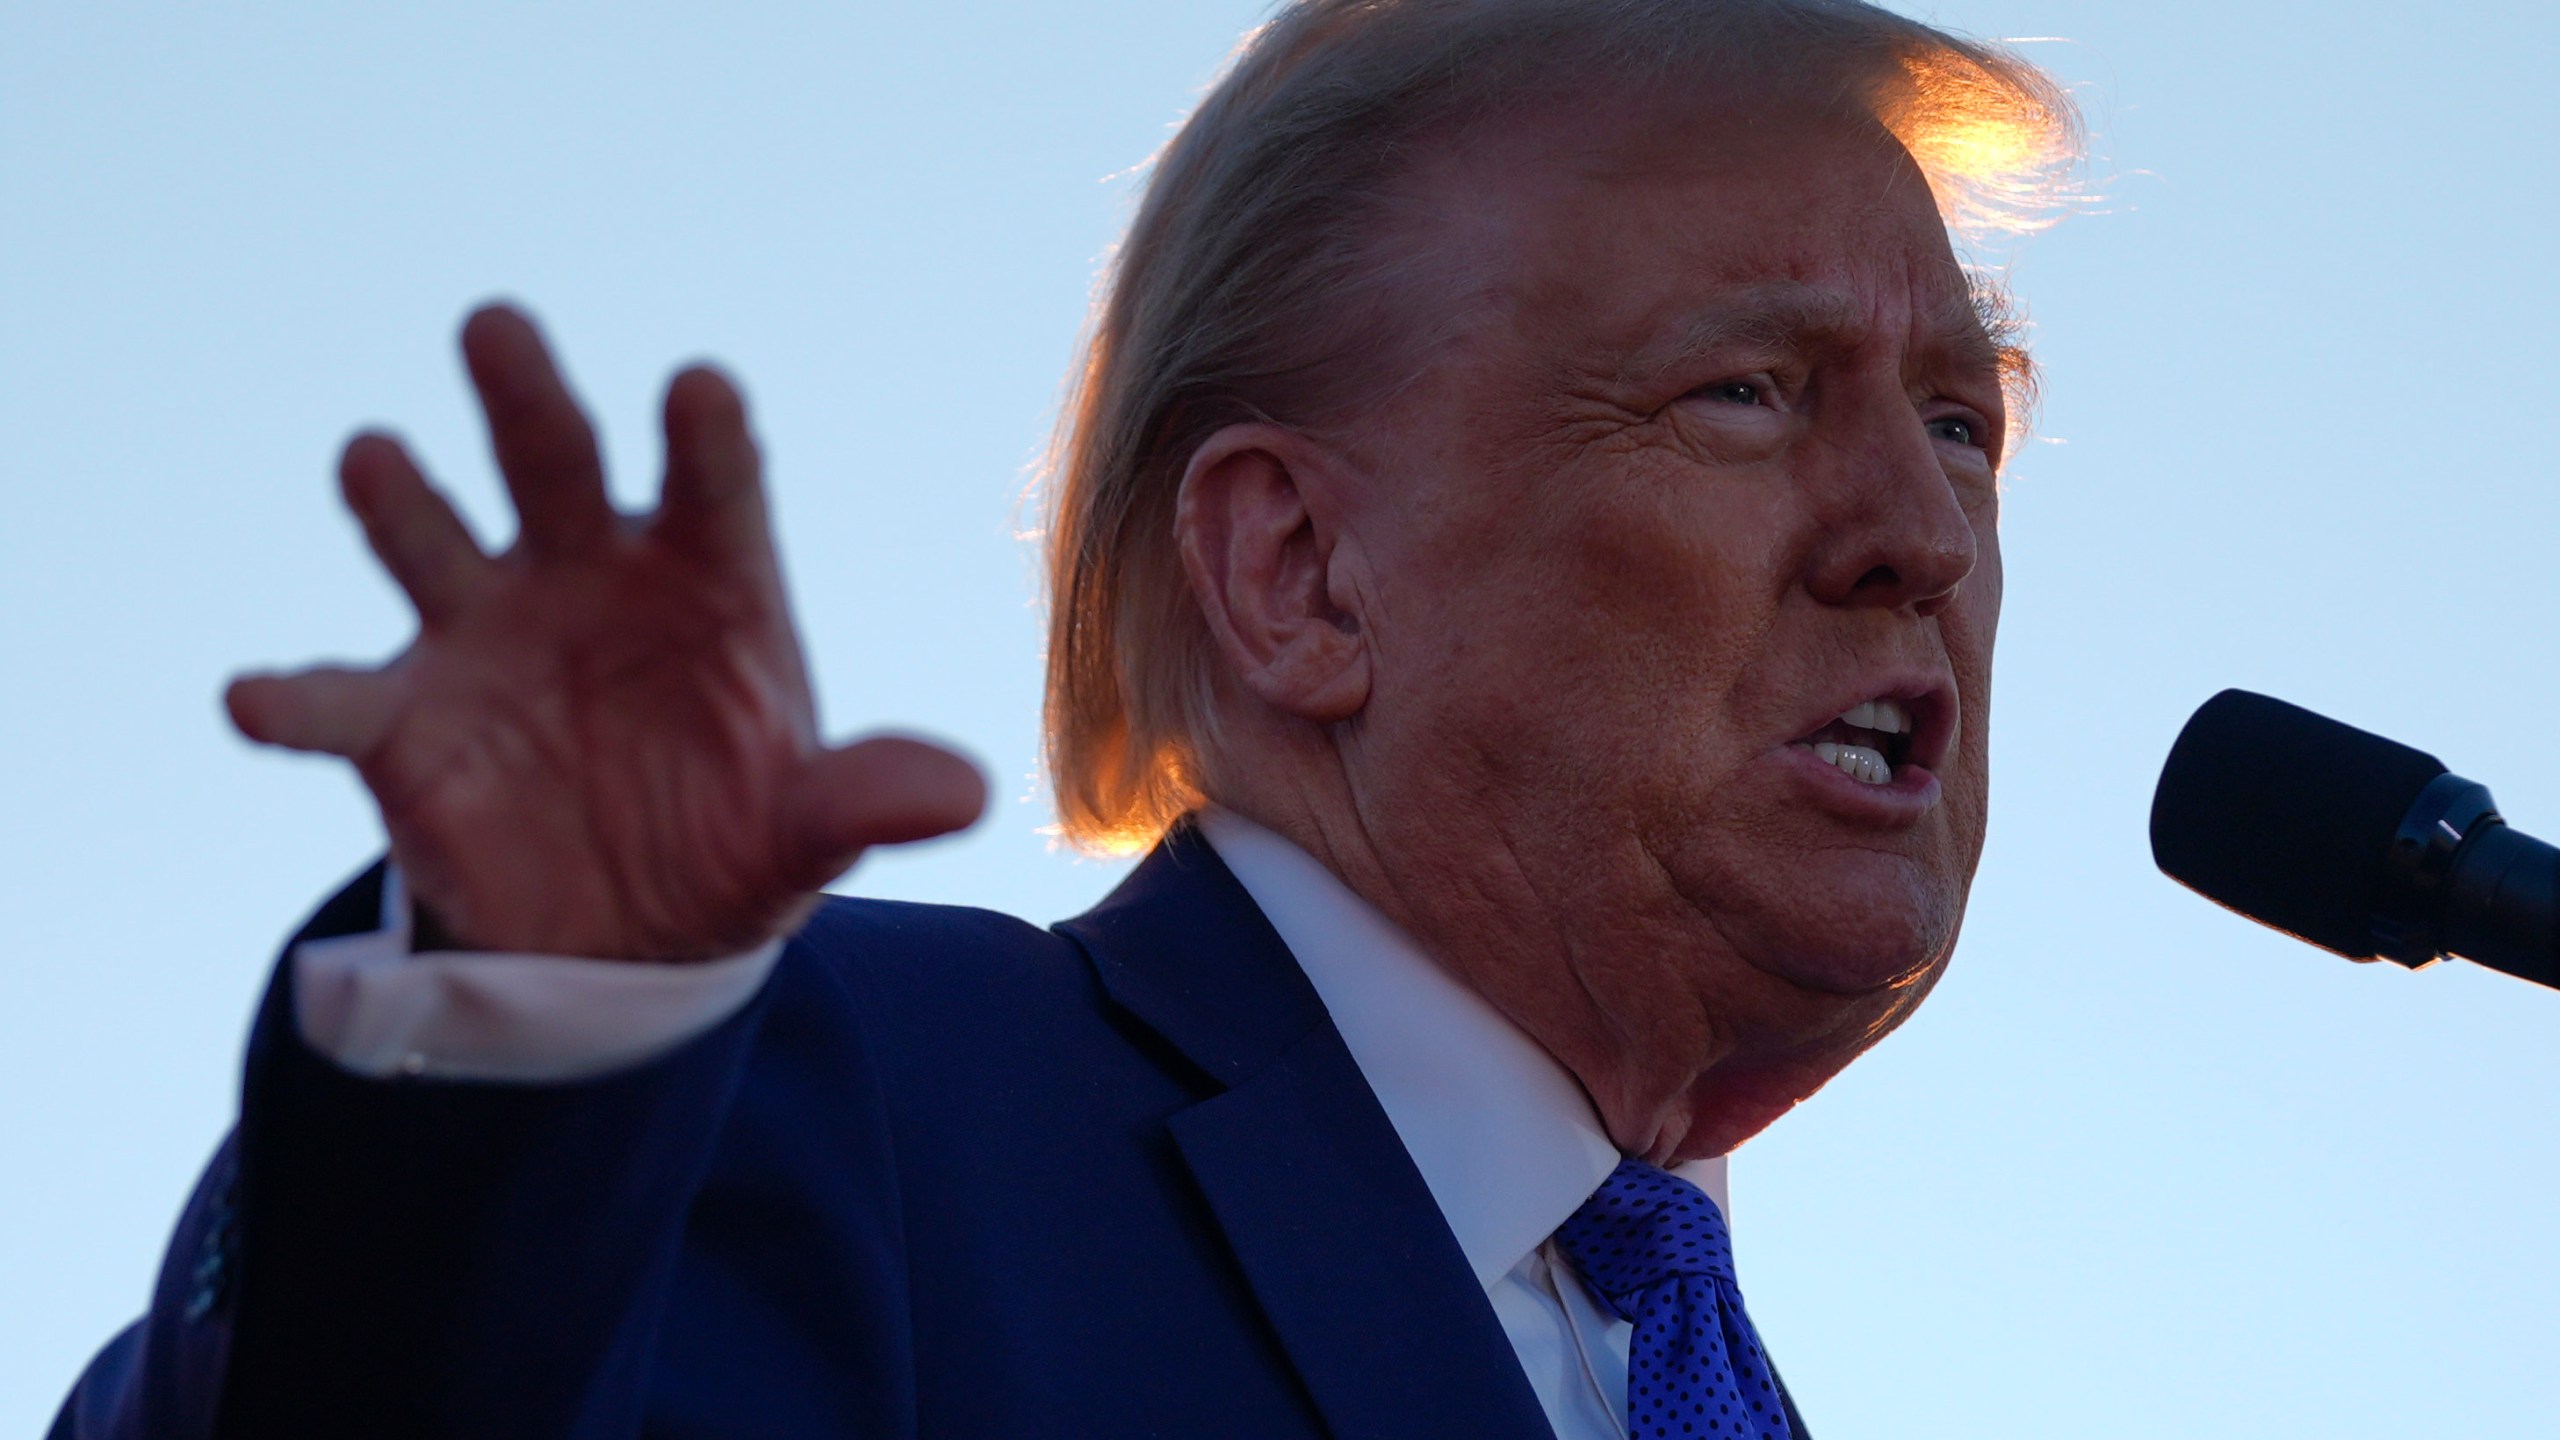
2285 816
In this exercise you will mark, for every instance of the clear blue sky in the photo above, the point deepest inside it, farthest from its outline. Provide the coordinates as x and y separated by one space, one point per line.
2137 1168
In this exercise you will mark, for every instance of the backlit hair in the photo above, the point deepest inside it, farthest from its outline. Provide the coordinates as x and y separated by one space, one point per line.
1257 283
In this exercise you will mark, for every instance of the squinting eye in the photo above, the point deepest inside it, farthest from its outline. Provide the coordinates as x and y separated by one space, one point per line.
1954 428
1733 392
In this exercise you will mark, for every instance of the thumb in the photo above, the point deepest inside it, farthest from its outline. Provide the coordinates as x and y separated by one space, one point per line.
331 709
887 790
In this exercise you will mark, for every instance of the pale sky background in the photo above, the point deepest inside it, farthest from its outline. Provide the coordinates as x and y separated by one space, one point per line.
2137 1169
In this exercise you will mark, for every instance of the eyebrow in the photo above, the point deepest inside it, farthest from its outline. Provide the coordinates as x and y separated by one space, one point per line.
1795 317
1775 317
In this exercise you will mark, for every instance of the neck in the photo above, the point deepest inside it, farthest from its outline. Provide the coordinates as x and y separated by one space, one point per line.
1625 986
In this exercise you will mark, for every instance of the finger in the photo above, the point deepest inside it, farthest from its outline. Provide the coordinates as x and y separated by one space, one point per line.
713 499
883 791
545 447
411 527
331 710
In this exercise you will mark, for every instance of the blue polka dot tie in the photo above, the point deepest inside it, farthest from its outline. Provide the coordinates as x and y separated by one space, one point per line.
1654 1249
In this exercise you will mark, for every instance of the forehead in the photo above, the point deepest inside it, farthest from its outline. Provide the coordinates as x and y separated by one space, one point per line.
1633 223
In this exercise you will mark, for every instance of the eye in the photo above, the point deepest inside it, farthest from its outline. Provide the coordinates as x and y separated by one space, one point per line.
1955 429
1732 392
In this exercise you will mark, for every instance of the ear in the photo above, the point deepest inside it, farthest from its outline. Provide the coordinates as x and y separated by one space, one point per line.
1271 570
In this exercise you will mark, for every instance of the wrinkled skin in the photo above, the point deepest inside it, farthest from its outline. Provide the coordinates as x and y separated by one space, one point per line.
1521 651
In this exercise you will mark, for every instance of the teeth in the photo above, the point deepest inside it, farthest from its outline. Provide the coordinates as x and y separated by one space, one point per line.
1858 762
1887 716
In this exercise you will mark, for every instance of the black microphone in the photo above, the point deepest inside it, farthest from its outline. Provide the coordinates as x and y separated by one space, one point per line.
2355 843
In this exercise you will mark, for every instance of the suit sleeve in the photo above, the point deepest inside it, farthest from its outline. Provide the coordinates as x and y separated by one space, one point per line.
419 1257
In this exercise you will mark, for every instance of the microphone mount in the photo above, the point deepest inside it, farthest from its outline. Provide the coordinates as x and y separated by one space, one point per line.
2419 868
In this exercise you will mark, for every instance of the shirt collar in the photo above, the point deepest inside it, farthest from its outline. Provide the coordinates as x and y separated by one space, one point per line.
1503 1135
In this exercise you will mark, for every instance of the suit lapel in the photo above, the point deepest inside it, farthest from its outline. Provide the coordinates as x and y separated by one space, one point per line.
1324 1211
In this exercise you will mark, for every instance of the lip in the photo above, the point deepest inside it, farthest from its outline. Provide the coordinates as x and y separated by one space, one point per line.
1914 788
1911 794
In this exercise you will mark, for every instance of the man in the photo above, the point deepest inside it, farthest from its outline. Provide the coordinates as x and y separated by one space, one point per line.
1524 557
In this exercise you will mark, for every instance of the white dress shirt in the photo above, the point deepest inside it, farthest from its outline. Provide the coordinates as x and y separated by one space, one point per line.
366 1002
1503 1136
1505 1139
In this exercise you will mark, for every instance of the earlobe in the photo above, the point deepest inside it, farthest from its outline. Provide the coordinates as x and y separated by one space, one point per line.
1264 552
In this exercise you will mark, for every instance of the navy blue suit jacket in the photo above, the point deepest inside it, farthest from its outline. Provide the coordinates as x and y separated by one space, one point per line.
948 1175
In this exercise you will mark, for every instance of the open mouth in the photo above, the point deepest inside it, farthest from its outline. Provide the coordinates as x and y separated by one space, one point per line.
1867 743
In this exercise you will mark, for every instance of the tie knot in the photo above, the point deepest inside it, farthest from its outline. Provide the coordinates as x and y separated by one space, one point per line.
1642 1226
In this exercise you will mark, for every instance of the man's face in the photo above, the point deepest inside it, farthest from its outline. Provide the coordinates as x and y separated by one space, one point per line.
1713 469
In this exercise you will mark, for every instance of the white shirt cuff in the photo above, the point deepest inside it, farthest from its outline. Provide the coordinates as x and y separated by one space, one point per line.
367 1003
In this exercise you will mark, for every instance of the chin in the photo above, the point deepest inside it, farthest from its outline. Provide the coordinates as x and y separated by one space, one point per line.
1870 933
1836 913
1863 964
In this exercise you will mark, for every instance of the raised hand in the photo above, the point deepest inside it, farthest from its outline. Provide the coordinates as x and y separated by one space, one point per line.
602 742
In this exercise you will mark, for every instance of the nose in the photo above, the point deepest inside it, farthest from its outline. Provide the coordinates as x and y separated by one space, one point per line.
1895 533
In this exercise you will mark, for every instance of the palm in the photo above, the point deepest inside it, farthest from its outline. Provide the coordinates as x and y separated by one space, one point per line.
602 742
574 733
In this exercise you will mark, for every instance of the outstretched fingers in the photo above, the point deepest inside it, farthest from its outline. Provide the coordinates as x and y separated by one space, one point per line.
545 447
888 790
413 529
330 709
713 500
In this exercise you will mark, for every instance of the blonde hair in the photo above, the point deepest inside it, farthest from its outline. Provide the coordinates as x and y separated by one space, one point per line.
1258 280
